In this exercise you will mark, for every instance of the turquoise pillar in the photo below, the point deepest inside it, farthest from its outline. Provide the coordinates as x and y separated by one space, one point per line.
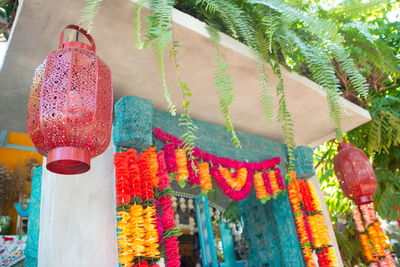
32 241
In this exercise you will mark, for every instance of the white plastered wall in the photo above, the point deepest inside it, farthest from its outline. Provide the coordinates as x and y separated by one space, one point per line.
77 217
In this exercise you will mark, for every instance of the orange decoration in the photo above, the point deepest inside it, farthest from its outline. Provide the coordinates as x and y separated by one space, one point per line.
273 182
295 199
181 162
259 186
369 255
153 165
236 183
204 176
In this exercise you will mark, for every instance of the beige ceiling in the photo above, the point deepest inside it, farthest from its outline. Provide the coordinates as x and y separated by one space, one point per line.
135 72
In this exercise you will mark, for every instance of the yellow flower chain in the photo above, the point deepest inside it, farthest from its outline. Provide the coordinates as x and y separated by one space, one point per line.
151 235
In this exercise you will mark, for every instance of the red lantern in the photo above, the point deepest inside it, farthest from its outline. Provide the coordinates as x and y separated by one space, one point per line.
70 106
355 173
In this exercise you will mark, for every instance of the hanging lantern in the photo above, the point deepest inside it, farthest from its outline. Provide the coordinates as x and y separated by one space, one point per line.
355 173
70 106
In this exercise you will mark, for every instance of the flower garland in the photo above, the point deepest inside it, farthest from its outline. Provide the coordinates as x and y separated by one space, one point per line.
205 177
295 199
310 222
171 243
181 162
261 190
373 240
193 168
237 180
268 184
320 234
136 223
236 185
175 143
230 191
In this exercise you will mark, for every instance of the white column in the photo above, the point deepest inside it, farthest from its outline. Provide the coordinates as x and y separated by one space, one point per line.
328 221
77 217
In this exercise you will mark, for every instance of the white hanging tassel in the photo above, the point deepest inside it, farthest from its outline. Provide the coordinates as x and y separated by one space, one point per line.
211 212
190 204
177 220
191 225
182 204
174 204
217 215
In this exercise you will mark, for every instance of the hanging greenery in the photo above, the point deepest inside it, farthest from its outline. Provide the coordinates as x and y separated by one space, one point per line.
279 34
89 12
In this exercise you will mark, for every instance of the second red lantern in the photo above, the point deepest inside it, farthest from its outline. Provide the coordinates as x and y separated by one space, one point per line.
70 106
355 173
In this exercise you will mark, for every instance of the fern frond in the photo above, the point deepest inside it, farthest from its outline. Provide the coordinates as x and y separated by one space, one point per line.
223 81
285 117
375 50
313 24
384 132
323 73
237 21
89 12
185 119
160 36
137 22
353 8
265 97
346 62
271 22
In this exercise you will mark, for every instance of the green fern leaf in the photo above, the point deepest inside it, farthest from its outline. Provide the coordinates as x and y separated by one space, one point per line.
89 12
223 81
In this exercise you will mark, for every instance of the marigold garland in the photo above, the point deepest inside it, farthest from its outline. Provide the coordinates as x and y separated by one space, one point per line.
125 256
136 226
310 222
151 235
137 230
372 238
193 168
228 190
295 199
259 186
146 178
153 165
174 143
171 243
205 177
134 173
273 181
182 174
369 255
235 181
170 158
320 234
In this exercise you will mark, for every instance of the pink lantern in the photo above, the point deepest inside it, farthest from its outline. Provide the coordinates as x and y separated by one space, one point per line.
355 173
70 106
